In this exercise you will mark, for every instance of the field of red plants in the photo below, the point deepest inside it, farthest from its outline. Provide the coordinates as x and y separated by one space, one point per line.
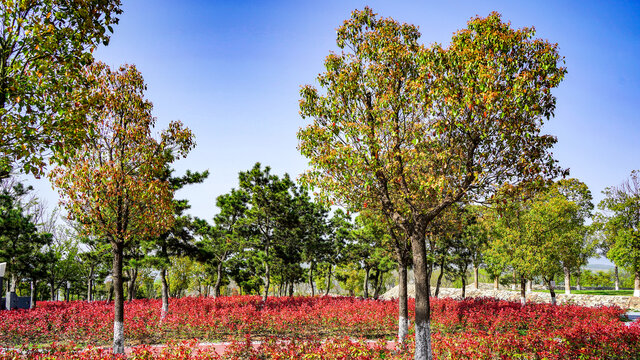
317 328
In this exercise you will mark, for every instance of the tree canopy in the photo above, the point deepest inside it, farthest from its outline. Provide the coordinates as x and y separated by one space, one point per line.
44 46
411 129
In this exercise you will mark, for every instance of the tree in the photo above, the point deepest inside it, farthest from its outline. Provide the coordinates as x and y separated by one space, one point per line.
267 216
412 130
339 233
44 46
221 241
19 237
178 239
112 185
621 224
370 248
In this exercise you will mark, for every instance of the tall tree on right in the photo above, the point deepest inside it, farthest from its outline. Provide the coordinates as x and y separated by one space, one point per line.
621 224
414 129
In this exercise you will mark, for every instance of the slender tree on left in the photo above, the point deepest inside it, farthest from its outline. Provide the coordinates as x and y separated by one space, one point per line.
113 185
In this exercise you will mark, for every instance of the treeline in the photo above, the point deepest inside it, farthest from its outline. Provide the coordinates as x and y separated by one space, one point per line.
269 235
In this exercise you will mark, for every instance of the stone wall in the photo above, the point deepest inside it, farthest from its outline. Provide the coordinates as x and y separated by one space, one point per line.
625 302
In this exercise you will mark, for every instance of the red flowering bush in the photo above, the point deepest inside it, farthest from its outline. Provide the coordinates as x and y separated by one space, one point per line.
319 328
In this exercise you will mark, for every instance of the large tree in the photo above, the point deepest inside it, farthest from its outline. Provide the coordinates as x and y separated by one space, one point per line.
44 46
112 185
413 130
621 223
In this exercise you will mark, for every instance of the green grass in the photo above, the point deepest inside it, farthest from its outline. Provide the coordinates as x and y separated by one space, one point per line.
592 292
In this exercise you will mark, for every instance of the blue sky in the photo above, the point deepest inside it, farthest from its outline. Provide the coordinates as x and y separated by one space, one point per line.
232 70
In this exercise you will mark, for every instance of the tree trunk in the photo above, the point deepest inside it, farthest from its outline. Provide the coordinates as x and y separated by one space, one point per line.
326 292
636 287
164 293
422 310
567 280
118 306
132 283
578 287
52 287
515 280
552 290
403 308
110 292
14 282
366 283
378 284
476 277
464 285
291 289
617 279
216 286
529 285
439 281
267 274
90 284
33 294
313 292
496 283
523 291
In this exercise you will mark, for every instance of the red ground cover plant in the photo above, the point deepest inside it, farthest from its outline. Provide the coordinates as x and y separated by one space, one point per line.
320 328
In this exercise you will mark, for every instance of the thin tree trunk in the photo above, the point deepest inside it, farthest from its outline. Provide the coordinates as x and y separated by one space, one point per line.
164 293
291 289
33 294
14 282
523 291
476 277
464 285
636 287
110 292
378 284
617 279
578 286
52 286
326 292
422 308
403 308
567 280
267 274
515 280
132 283
552 290
118 306
439 281
496 283
366 283
216 287
90 284
529 285
313 292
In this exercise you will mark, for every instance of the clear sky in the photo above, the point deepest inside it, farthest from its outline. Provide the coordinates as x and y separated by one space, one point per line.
232 71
